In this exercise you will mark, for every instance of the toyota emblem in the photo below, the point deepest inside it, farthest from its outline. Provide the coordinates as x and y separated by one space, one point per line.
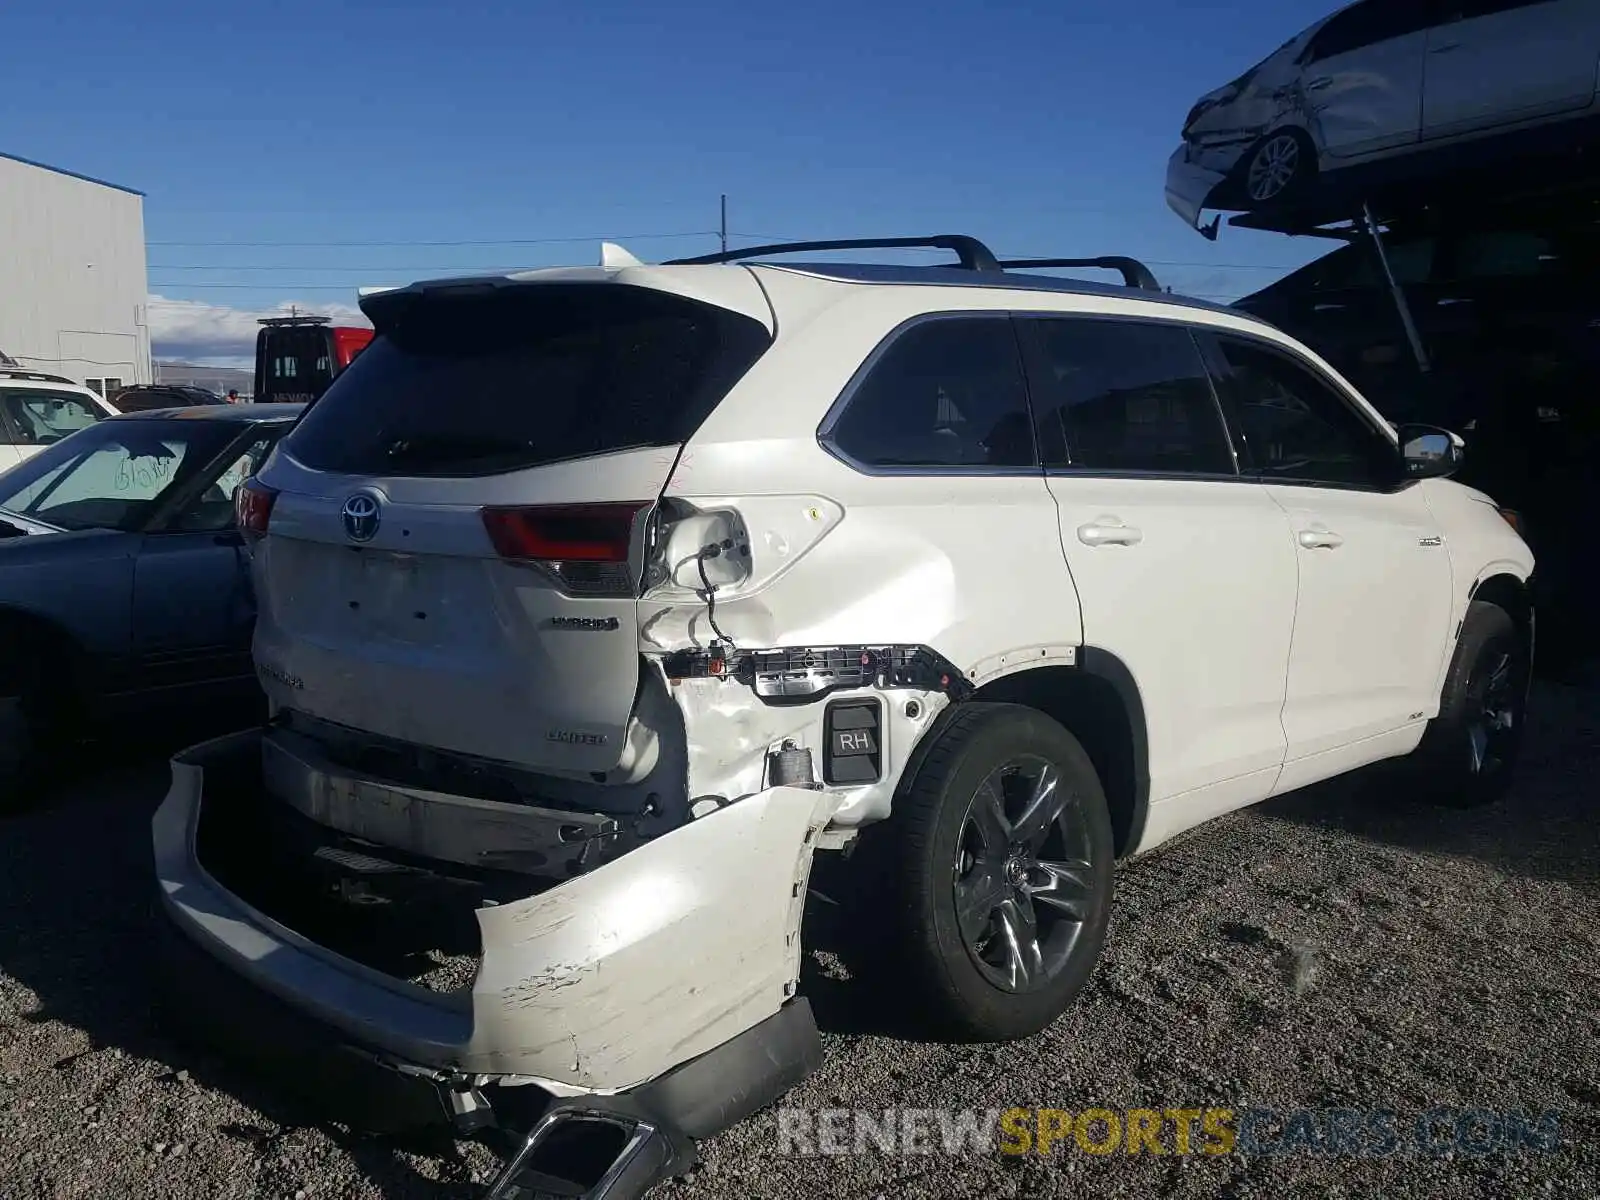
361 517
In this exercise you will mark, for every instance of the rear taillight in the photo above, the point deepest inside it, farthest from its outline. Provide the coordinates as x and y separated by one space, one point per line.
252 505
1512 518
584 546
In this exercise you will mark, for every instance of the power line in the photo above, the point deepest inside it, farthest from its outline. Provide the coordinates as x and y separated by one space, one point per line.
488 268
93 362
625 237
249 287
339 287
498 268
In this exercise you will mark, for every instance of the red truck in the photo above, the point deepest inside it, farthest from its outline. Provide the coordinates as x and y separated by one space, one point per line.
297 357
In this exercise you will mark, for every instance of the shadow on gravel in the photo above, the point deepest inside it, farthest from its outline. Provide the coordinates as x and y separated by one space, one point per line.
846 973
77 887
835 973
1547 827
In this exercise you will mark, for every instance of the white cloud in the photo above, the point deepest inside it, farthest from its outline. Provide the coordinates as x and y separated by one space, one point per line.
193 331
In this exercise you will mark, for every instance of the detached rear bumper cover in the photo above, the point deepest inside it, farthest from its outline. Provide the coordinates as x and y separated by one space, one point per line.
1190 187
595 986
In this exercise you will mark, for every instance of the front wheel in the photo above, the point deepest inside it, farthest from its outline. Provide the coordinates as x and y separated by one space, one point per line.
1468 754
1278 167
1001 874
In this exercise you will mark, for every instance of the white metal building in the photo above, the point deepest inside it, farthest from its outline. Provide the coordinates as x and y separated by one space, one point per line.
73 285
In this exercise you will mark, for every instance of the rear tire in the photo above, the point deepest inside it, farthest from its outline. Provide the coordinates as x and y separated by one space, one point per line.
1469 752
999 873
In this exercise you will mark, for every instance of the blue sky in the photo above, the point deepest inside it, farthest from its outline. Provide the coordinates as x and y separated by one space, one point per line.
373 133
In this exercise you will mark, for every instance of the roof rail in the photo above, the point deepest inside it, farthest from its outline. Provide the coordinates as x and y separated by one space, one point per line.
974 255
1134 273
36 376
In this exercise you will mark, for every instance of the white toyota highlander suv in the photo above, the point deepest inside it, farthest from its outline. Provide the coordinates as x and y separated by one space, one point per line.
595 601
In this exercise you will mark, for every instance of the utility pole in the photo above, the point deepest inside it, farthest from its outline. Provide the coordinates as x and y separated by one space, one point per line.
724 223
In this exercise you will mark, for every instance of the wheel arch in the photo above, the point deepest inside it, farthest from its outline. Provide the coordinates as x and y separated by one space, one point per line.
46 636
1511 593
1098 701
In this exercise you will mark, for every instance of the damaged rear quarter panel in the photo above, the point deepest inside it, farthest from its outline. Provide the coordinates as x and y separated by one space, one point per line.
969 564
966 582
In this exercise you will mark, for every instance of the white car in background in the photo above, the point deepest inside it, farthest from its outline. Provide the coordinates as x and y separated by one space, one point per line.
38 409
1380 80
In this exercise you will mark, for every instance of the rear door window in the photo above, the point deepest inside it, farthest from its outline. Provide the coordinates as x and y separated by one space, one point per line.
1368 24
213 509
943 393
1125 396
480 384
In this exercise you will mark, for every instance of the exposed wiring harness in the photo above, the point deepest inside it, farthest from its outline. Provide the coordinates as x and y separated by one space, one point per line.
713 550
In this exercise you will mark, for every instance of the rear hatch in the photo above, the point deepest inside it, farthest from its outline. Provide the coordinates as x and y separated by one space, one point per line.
456 530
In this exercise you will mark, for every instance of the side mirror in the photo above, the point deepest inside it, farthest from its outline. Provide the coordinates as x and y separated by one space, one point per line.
1430 452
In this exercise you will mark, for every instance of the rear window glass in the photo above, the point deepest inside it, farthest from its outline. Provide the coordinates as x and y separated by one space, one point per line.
296 361
478 384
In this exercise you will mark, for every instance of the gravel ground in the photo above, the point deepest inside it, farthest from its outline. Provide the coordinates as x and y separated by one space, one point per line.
1337 948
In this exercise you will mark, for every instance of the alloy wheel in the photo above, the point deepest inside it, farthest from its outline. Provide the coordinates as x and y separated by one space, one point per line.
1273 168
1493 711
1023 877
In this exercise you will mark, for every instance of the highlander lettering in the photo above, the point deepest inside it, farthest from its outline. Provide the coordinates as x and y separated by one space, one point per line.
586 624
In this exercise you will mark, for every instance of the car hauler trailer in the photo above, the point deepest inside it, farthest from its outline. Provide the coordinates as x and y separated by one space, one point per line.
1461 294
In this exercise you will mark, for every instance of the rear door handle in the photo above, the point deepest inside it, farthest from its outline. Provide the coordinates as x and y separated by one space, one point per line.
1328 307
1319 539
1318 84
1446 48
1106 533
1449 300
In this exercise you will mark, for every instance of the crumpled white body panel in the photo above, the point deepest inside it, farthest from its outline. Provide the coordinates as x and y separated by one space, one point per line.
597 985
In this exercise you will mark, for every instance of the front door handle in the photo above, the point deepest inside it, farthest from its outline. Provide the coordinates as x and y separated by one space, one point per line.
1446 48
1328 307
1317 85
1447 301
1105 533
1319 539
